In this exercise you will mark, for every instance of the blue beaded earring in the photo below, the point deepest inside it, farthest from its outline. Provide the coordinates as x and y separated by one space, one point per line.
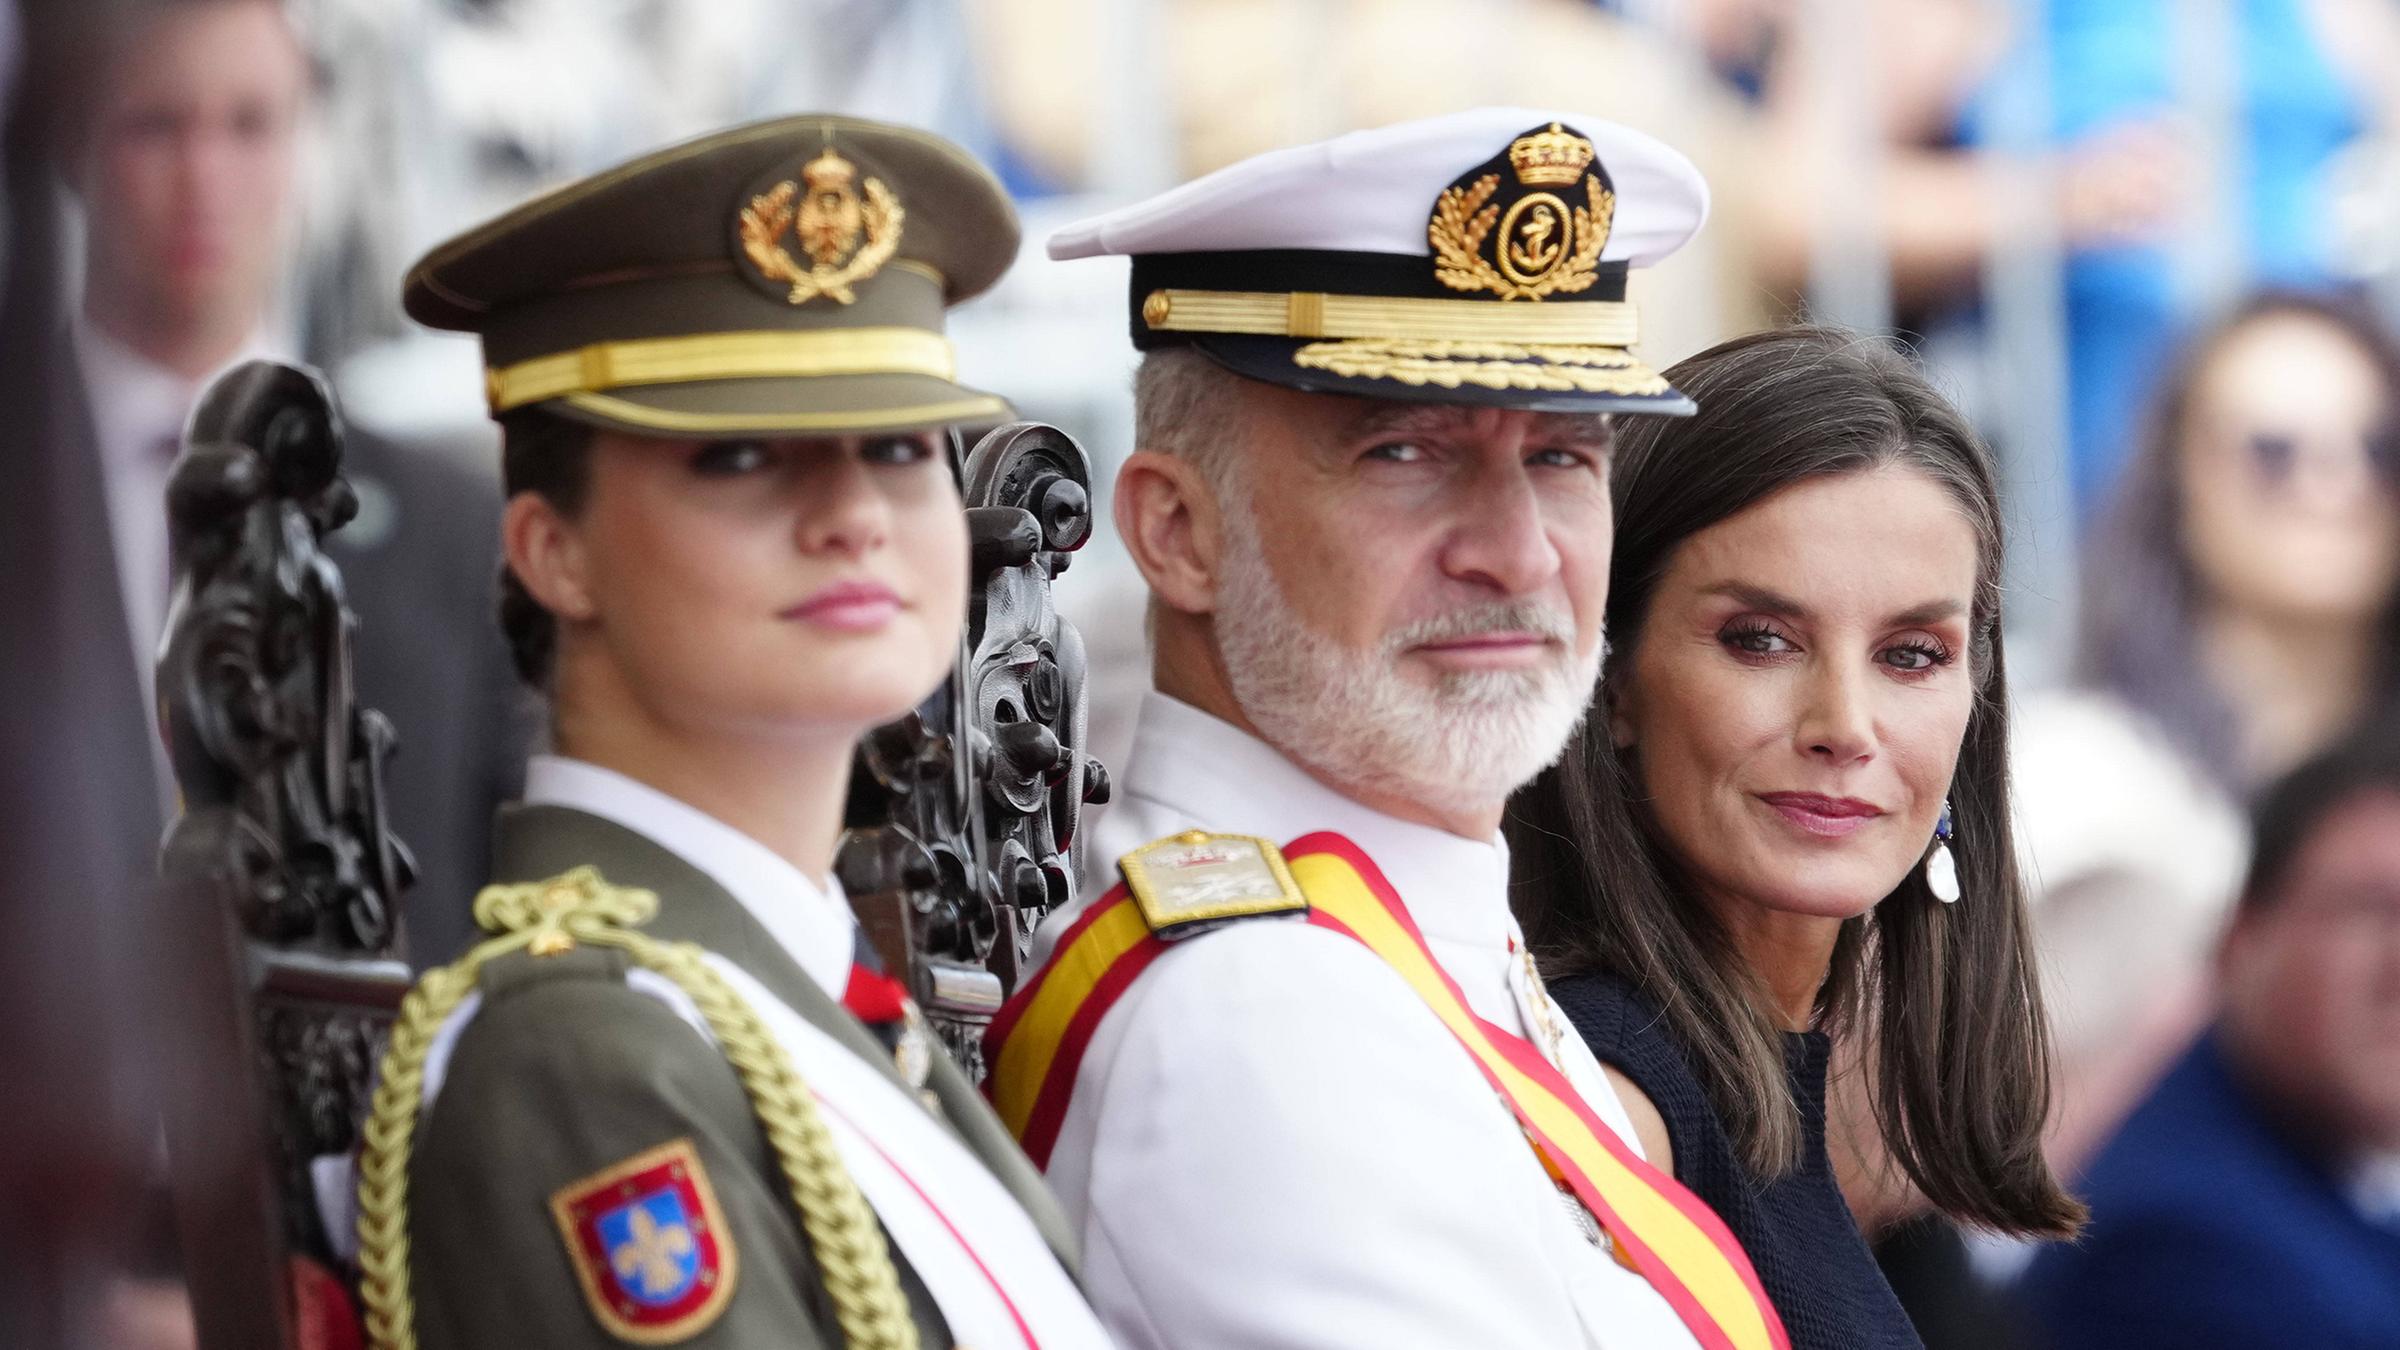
1941 870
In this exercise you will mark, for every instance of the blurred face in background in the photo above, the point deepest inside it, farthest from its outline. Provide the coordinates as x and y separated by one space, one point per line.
1799 690
2290 453
187 173
2312 979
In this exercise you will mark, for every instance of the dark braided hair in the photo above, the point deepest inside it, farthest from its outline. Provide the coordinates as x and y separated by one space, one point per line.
550 456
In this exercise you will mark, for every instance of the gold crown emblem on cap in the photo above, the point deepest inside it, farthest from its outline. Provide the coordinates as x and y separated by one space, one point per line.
1517 241
846 237
1553 157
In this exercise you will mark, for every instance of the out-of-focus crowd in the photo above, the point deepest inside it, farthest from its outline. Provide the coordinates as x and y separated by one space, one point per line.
2154 247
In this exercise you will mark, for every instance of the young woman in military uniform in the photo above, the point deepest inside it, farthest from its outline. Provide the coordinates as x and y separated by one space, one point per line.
650 1108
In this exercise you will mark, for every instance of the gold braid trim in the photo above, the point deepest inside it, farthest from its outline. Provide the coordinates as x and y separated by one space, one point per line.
549 917
1487 365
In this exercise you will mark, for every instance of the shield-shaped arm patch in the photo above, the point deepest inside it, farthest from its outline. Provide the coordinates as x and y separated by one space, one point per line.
649 1244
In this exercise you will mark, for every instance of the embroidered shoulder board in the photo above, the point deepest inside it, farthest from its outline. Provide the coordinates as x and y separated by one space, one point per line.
1191 882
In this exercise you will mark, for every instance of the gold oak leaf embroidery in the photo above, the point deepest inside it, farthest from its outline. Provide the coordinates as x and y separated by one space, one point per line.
770 215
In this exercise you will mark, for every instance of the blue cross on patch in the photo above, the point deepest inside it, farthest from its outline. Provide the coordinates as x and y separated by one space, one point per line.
650 1247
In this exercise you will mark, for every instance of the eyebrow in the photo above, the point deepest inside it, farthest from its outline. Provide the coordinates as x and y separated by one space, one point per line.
1387 417
1776 602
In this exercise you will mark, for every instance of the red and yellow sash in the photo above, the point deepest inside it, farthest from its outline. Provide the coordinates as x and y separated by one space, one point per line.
1036 1045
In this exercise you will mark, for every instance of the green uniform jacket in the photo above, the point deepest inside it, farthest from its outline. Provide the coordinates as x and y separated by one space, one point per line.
565 1071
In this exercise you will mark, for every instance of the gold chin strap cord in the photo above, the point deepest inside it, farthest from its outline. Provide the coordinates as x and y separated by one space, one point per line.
548 917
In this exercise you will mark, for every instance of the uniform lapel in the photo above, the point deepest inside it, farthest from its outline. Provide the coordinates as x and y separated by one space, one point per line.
534 842
542 841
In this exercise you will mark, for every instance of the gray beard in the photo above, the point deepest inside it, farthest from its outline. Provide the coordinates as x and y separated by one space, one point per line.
1459 744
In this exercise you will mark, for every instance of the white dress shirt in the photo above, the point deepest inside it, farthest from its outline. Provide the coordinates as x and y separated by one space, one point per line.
138 408
1274 1143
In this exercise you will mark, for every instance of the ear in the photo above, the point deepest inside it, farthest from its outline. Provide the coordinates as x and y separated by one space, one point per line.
548 556
1169 521
1616 698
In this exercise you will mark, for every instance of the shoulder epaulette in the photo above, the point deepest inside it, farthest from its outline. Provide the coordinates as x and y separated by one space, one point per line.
1191 882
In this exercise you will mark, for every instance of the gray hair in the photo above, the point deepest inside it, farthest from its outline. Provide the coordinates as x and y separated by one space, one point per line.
1188 406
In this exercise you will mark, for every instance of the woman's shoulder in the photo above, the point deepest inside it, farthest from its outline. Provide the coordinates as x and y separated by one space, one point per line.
1608 1010
1627 1029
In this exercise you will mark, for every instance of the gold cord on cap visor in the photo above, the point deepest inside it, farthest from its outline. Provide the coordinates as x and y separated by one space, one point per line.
720 356
1307 314
1485 365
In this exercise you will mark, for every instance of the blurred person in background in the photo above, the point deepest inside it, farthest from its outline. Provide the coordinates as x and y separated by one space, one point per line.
2254 1198
2261 114
1786 821
1933 210
174 128
2241 610
183 154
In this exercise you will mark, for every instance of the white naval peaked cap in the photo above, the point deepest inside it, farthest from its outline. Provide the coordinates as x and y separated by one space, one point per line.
1368 192
1476 257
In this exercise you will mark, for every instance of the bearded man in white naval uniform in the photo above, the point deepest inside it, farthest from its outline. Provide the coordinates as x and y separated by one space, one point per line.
1378 563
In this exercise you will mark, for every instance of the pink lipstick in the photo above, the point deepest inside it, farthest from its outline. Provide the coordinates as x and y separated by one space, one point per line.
848 607
1817 814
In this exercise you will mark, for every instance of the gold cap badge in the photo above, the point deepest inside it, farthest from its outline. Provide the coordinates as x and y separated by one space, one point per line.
1512 239
846 237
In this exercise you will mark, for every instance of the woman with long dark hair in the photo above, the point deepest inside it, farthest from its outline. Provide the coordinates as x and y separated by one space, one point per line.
1786 821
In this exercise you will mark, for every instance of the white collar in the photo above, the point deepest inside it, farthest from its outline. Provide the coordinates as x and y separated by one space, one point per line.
135 402
2374 1187
811 920
1212 772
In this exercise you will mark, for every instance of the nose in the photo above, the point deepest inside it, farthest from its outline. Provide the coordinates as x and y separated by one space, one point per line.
1502 542
842 512
1837 727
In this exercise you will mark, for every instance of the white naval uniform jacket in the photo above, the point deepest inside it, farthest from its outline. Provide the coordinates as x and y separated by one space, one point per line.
1272 1141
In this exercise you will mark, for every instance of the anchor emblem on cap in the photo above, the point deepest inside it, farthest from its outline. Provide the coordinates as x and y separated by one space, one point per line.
1543 246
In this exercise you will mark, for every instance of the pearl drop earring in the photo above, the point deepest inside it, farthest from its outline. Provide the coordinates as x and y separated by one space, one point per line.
1941 870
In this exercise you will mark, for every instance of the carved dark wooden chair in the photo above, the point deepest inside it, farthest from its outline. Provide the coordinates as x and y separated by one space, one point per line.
282 875
284 878
962 826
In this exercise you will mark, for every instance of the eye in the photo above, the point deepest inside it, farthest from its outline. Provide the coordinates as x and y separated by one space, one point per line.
2383 453
1564 457
1397 452
729 459
898 449
1755 639
1916 656
2271 453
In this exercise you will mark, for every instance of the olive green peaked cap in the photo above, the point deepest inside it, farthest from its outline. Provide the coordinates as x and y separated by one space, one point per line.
786 277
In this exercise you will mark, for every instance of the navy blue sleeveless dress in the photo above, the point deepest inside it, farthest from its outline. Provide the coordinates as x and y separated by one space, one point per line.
1797 1228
